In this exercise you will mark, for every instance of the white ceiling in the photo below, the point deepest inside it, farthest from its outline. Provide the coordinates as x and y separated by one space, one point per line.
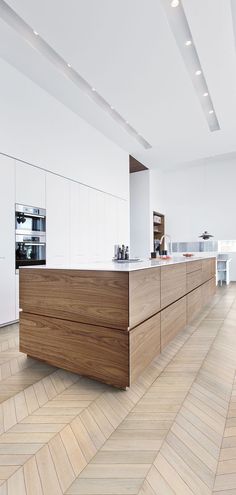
127 51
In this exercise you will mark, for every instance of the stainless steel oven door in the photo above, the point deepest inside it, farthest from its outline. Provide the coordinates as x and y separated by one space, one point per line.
29 220
30 250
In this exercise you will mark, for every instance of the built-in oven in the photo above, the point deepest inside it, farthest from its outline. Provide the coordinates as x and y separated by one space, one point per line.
30 250
30 240
30 220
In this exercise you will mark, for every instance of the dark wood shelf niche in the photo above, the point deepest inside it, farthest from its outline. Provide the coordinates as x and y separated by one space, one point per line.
158 228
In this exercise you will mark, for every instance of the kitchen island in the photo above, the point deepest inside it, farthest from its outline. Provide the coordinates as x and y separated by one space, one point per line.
109 321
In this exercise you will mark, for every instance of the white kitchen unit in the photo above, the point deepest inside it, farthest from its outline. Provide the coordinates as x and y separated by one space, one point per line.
58 220
223 264
7 240
30 185
79 215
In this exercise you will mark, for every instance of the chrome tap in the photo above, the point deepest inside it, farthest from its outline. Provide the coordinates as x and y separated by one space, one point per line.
170 242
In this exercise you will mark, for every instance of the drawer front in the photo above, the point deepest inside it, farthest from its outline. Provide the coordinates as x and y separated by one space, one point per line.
144 294
93 351
173 320
208 290
173 283
194 279
194 303
208 269
193 266
144 345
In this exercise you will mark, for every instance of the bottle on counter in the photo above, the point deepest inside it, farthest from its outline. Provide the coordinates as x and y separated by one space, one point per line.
119 257
127 252
116 251
123 252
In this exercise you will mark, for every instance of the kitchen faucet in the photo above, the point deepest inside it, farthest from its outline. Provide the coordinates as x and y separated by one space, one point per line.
170 242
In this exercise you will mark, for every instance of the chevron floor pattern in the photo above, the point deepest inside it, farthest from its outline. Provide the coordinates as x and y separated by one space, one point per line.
173 432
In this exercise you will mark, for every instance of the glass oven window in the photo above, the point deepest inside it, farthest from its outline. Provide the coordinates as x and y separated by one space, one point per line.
30 223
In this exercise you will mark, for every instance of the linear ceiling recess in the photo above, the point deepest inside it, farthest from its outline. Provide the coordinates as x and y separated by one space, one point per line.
180 28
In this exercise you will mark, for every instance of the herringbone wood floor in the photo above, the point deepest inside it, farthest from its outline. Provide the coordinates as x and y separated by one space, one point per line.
173 432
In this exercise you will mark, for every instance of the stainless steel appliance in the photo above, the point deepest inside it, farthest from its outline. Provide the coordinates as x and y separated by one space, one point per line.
30 223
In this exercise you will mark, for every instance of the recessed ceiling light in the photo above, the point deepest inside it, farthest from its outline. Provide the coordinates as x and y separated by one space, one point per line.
68 65
175 3
112 108
93 89
36 33
198 72
205 94
188 43
211 111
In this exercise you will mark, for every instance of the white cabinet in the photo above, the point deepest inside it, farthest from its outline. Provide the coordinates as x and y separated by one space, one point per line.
7 240
122 223
79 223
223 265
30 185
98 221
58 220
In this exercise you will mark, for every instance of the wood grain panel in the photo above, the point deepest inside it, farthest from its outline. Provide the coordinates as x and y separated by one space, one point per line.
135 165
173 320
208 269
194 279
194 303
94 297
144 294
193 266
208 290
173 283
144 345
97 352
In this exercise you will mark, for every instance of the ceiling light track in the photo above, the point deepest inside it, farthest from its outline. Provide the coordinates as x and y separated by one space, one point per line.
180 28
32 37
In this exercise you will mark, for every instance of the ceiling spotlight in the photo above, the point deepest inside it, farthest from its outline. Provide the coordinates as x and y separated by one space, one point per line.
211 111
68 65
93 89
205 94
198 72
112 108
175 3
36 33
188 43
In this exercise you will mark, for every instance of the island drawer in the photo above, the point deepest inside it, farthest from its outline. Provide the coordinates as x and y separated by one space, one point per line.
193 266
173 320
194 279
194 303
208 269
144 294
173 283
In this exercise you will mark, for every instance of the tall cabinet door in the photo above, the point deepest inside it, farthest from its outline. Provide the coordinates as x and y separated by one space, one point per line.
57 221
80 224
30 185
7 240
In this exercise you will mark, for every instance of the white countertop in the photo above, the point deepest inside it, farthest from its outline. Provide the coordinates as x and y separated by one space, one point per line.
125 266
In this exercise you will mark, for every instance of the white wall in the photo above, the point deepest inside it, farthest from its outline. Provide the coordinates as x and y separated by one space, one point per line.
201 198
157 198
38 129
146 195
140 214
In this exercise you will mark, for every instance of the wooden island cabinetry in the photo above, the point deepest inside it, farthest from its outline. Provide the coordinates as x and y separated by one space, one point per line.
109 324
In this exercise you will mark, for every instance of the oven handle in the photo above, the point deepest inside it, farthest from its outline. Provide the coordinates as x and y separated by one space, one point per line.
34 243
30 215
